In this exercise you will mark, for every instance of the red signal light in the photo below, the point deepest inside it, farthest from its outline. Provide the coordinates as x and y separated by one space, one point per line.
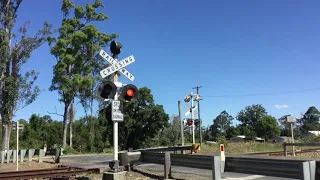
130 92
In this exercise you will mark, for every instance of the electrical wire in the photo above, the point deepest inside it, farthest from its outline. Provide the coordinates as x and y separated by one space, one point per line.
266 94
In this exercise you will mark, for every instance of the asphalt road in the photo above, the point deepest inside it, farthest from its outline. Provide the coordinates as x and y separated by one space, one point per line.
208 173
87 161
102 162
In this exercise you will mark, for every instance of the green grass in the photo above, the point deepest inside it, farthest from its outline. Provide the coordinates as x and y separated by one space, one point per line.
247 148
241 148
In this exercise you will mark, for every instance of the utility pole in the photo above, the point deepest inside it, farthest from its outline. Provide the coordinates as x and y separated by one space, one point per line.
200 130
181 123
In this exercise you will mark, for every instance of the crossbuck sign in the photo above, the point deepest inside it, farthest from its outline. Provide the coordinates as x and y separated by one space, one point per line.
116 66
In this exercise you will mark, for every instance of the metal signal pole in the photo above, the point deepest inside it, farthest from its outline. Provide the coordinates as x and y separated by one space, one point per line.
200 131
115 128
192 117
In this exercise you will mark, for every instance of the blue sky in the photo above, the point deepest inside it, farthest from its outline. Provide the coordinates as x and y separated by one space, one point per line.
229 48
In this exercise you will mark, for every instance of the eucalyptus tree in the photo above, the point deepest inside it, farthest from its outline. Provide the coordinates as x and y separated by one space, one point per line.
75 49
17 90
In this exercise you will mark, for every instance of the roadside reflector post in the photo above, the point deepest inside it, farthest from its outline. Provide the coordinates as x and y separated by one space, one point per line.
223 157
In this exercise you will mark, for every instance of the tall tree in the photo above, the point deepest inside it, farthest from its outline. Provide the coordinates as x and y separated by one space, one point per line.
223 121
268 127
172 134
221 124
232 131
310 120
74 49
251 114
16 90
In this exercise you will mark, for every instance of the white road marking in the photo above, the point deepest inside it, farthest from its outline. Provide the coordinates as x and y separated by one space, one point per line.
245 178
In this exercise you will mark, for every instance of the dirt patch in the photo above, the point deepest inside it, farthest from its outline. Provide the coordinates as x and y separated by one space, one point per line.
26 166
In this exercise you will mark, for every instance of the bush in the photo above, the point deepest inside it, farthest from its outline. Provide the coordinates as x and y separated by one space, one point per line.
69 150
108 150
222 140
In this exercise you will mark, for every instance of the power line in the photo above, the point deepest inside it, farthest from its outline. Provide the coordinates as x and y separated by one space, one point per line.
265 94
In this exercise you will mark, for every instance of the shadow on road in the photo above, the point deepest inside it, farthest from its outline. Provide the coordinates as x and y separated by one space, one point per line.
152 176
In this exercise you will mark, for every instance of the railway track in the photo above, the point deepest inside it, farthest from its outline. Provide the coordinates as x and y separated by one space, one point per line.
63 172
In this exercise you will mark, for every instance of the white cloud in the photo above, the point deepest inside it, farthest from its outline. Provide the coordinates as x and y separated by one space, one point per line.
280 106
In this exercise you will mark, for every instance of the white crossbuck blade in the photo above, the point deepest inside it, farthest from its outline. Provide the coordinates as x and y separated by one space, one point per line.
113 61
116 67
189 109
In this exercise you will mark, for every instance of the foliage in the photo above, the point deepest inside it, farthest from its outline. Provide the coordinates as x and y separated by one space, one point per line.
142 120
171 135
251 114
207 134
310 120
39 131
74 49
16 90
268 127
232 131
221 124
248 132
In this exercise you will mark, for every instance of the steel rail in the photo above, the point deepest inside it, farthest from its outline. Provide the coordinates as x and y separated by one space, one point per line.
54 172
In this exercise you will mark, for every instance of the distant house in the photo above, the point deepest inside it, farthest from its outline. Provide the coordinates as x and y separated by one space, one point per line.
281 139
237 139
242 138
316 133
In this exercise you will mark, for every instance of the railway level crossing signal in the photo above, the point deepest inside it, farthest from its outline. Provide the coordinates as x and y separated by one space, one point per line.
109 90
189 122
116 66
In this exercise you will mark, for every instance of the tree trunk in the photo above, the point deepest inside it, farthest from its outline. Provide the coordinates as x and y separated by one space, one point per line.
4 136
65 121
71 116
6 132
91 133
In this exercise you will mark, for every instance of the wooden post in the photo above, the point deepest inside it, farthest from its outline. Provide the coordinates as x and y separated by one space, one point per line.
284 149
292 137
57 157
167 165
